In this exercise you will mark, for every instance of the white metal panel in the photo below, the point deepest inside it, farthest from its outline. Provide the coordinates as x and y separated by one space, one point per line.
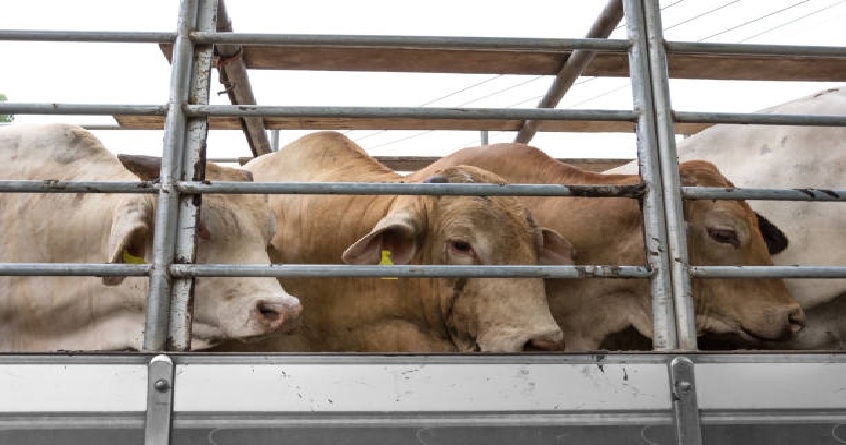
421 387
771 385
73 387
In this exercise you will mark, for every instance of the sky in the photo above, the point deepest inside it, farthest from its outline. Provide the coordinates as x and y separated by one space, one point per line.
96 73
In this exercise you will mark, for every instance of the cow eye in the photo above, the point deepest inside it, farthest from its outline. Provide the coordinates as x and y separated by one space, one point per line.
725 236
461 246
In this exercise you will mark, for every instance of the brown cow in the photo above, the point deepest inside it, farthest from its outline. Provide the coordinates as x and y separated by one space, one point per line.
609 231
405 314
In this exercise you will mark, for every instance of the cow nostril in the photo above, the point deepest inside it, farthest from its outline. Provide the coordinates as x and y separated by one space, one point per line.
544 344
796 318
268 311
275 314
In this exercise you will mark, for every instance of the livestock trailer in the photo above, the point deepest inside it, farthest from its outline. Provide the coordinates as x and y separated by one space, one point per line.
674 394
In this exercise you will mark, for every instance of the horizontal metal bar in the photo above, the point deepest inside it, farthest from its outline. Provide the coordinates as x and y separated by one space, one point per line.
74 269
83 109
737 194
522 44
411 112
363 188
768 271
86 36
415 271
677 47
758 118
56 186
86 126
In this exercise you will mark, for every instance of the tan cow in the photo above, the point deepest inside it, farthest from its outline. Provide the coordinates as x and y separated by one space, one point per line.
90 313
608 231
405 314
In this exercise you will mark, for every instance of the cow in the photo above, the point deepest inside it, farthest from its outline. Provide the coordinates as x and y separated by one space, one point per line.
795 157
107 313
609 231
343 314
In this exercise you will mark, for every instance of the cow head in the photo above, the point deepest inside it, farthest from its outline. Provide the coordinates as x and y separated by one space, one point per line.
478 314
233 229
730 233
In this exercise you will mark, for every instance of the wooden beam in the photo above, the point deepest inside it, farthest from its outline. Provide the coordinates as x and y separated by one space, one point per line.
610 64
282 123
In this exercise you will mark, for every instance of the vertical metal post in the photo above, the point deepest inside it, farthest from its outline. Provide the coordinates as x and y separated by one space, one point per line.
483 137
164 238
157 426
193 168
655 234
676 232
685 404
274 140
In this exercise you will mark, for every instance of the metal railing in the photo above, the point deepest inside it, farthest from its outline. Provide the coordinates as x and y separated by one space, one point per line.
667 267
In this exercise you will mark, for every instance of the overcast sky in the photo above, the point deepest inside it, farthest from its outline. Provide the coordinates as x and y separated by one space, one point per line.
41 72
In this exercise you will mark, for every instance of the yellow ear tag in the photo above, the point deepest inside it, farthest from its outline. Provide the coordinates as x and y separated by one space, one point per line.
129 258
386 261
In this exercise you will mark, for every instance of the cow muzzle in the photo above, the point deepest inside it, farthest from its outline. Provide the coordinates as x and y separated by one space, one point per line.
786 322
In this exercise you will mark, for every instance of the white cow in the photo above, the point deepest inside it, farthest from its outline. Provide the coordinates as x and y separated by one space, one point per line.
91 313
787 156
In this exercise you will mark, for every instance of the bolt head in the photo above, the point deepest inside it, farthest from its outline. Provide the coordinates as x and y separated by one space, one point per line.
161 385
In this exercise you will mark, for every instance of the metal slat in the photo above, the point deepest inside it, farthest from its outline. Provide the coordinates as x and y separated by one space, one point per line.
156 328
664 335
160 389
668 159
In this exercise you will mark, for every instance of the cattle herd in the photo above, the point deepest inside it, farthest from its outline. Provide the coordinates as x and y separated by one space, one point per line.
429 314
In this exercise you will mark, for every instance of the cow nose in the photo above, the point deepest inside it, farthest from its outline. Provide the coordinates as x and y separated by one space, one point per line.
275 314
796 319
545 343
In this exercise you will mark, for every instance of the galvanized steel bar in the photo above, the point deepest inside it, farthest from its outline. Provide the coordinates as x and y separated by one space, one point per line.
413 271
73 269
56 186
758 118
34 35
522 44
676 229
364 188
193 168
768 271
274 140
736 194
164 237
746 49
574 66
685 405
82 109
411 112
159 420
655 233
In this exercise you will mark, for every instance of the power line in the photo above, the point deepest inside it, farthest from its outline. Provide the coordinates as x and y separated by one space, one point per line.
723 6
791 21
755 20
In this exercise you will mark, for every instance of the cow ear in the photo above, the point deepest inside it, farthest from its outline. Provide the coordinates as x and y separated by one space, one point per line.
395 234
132 224
556 250
147 168
776 239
